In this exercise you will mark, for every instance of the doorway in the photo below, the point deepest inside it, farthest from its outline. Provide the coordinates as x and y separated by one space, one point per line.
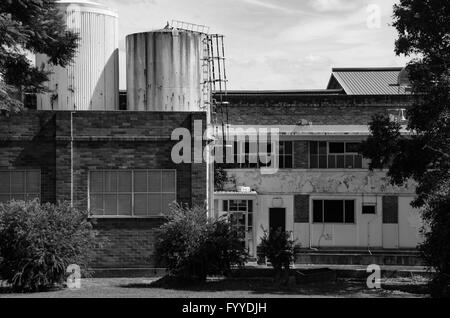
277 218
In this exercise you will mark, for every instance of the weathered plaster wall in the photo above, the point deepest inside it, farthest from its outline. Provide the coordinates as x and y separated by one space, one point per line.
307 182
359 185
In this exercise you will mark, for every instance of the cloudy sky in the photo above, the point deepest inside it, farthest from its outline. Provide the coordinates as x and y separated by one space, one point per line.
277 44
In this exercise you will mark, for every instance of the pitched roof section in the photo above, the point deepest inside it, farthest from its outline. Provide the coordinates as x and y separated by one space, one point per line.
367 81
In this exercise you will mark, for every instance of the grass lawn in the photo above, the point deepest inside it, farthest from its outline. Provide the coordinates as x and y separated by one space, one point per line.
242 288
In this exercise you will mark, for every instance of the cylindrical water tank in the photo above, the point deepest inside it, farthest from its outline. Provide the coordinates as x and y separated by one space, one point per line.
91 81
166 71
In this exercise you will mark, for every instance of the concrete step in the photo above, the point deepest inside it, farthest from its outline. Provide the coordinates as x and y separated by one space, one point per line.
357 251
345 258
358 272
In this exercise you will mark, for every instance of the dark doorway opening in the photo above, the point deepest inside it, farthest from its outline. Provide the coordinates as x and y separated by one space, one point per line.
277 219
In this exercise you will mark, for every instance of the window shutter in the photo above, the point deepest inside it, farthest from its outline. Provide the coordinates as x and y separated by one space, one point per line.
390 210
301 209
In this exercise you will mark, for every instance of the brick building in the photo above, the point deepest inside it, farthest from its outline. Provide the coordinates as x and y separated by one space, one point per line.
116 164
323 192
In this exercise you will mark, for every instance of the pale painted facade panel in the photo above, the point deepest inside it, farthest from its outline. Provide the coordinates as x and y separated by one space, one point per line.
362 186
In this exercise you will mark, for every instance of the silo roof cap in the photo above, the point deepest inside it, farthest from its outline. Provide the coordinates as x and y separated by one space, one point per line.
85 3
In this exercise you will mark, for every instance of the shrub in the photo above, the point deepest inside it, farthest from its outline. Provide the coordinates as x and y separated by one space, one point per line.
38 243
278 248
192 246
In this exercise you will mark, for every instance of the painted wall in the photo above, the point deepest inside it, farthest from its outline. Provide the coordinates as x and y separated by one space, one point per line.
265 203
360 185
366 232
410 223
297 181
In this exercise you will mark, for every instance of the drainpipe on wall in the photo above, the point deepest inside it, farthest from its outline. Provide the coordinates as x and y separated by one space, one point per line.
71 159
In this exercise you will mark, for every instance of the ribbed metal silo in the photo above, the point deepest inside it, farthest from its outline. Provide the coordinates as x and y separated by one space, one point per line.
91 82
165 70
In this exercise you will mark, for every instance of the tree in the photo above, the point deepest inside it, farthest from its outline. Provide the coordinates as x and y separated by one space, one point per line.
39 242
424 34
31 26
278 247
191 246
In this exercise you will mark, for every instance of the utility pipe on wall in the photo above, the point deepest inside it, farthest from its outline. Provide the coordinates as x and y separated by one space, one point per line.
71 158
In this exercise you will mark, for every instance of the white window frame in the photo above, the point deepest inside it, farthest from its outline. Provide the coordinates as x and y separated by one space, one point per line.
243 155
132 193
355 218
249 238
369 204
328 154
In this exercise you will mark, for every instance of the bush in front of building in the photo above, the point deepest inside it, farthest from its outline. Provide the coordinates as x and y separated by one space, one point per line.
279 249
39 242
191 246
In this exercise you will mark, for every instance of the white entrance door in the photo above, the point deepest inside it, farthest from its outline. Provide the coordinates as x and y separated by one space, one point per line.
390 236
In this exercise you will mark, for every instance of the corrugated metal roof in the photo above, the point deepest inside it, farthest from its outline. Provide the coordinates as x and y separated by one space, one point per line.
307 92
368 81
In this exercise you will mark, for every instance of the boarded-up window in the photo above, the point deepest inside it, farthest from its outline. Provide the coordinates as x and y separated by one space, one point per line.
390 210
301 209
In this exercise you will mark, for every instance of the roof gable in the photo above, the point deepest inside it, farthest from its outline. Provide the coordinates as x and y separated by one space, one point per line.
367 81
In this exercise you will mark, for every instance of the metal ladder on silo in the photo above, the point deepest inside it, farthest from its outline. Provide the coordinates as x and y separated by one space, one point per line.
218 84
207 86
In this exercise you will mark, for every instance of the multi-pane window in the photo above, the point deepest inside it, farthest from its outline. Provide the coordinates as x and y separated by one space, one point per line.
246 154
334 155
240 214
286 155
249 154
140 193
334 211
20 185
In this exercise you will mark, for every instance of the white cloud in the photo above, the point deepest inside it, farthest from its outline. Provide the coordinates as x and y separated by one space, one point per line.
274 44
334 5
271 6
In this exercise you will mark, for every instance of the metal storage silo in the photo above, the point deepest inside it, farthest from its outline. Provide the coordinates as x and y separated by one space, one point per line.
91 81
165 70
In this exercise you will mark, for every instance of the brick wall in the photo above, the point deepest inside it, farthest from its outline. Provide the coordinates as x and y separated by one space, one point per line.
29 142
102 140
320 110
125 243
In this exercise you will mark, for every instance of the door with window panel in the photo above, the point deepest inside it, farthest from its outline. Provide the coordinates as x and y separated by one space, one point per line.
20 185
240 215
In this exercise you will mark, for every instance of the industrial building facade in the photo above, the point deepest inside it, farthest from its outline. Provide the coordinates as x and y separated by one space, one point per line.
117 165
323 192
78 147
